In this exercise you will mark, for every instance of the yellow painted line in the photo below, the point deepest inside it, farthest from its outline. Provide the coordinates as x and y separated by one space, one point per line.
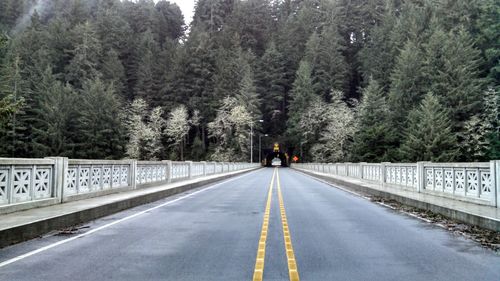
258 272
293 272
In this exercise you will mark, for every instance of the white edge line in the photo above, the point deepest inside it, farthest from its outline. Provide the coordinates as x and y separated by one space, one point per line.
333 185
43 249
367 198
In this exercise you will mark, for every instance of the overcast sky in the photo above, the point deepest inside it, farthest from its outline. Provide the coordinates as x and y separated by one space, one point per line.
187 7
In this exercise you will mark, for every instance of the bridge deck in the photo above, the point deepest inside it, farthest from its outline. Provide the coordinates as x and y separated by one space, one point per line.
213 233
481 215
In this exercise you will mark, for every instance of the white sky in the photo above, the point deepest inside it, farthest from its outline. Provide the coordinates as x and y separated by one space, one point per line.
187 7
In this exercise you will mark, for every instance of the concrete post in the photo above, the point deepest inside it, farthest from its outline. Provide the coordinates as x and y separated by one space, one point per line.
190 169
60 168
133 173
383 173
361 170
420 176
495 180
204 168
169 169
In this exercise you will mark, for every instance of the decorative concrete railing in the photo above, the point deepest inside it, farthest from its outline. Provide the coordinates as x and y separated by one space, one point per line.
91 176
23 180
473 182
151 172
28 183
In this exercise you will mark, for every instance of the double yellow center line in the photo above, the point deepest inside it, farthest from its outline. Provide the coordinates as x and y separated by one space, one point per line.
261 251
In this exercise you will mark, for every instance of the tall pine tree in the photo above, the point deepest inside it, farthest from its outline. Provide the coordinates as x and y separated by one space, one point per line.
429 135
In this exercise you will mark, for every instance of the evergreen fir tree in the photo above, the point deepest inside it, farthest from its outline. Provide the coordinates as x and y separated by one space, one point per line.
247 94
492 124
429 136
270 82
113 72
302 97
487 38
211 15
55 112
169 21
451 69
113 30
379 53
85 55
375 139
252 21
13 88
408 84
99 125
481 135
145 71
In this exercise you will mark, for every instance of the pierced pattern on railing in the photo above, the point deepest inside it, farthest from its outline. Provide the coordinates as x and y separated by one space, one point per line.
468 181
211 168
218 168
82 179
22 183
448 180
486 182
42 183
342 170
4 176
353 171
429 179
459 180
472 182
180 170
402 175
197 169
462 181
439 179
116 176
22 178
124 176
71 180
25 180
106 177
95 179
371 172
151 173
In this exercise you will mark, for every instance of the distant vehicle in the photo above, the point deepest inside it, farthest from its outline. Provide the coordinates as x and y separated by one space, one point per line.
276 162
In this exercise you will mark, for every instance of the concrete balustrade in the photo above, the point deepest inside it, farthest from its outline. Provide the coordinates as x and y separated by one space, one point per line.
471 182
29 183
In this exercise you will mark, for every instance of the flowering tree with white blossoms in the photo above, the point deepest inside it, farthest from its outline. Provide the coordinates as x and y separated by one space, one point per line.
230 129
340 120
177 128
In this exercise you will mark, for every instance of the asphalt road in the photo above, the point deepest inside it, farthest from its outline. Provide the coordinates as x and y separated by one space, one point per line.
213 233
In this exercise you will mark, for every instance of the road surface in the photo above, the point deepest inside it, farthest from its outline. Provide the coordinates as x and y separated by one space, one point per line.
214 233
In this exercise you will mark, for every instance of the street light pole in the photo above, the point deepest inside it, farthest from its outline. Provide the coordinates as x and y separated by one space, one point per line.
260 147
251 142
251 139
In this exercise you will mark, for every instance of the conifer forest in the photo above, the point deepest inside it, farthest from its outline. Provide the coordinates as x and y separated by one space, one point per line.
332 80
